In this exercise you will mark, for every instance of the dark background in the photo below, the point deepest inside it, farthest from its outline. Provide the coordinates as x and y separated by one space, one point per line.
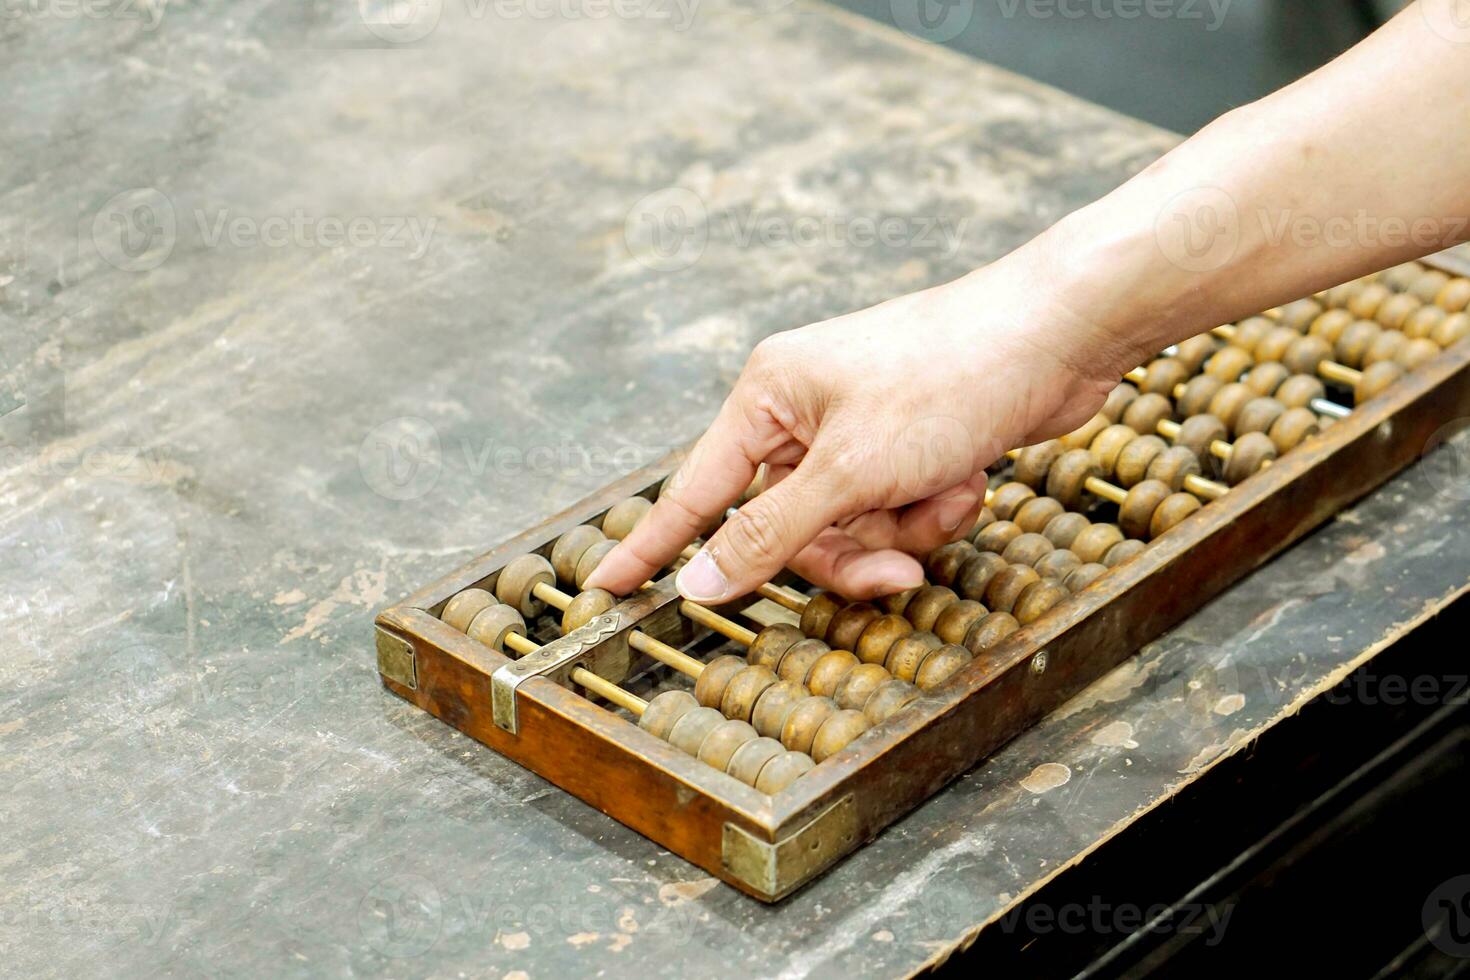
1176 71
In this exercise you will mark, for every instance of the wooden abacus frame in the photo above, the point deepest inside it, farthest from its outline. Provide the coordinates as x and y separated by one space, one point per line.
768 846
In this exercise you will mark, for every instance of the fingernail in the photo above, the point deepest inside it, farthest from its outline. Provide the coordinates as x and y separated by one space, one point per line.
951 512
900 576
701 580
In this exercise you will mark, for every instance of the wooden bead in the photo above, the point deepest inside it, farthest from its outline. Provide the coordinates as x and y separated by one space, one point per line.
1197 393
690 731
829 670
1195 351
1057 564
1082 438
771 644
804 721
1197 432
1385 348
1451 330
1276 343
926 605
1094 542
1026 549
1036 513
1108 444
1163 375
782 771
1173 465
1339 296
751 760
665 710
1416 352
569 549
710 686
1122 551
1135 512
590 559
889 699
464 607
1008 499
1455 296
1084 575
1008 584
1175 508
817 615
954 622
1069 474
1258 415
1299 314
944 562
836 732
1299 390
1063 529
940 666
1146 412
1304 354
986 518
1228 402
1429 284
623 516
1249 332
1375 379
493 624
797 662
909 653
1250 452
1294 425
859 684
1354 342
1135 459
1330 325
1369 299
988 631
899 601
516 584
774 705
975 577
999 535
1397 309
1402 276
1265 377
849 624
1423 322
874 643
1118 399
744 690
1229 363
1036 600
722 741
585 607
1033 462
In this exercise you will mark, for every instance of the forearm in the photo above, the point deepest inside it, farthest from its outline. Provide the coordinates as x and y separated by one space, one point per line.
1361 165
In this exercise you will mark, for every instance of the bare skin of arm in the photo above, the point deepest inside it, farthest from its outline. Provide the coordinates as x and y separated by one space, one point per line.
1361 165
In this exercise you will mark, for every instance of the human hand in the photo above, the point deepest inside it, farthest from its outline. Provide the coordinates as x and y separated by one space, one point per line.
876 429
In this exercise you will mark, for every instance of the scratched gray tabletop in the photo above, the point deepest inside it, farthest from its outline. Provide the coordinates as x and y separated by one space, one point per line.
303 305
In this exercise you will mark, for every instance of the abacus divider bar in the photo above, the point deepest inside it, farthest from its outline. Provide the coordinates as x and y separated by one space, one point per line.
600 686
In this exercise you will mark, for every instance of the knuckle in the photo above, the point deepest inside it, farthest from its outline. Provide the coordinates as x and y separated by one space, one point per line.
754 534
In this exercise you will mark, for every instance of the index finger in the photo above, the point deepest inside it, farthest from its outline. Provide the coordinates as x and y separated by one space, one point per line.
717 472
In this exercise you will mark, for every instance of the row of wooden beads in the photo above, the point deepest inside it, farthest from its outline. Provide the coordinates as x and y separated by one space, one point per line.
1363 297
1062 545
731 746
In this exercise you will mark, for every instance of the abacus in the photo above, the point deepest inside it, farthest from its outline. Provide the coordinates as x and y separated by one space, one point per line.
766 739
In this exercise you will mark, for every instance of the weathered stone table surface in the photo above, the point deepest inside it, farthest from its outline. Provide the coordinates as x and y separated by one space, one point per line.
302 306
